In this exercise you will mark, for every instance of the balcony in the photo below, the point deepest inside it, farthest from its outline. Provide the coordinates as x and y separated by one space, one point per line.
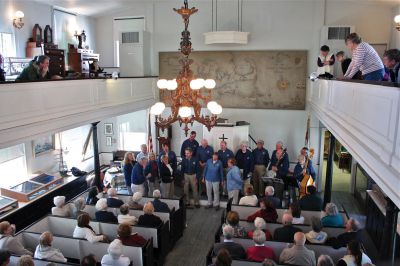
365 119
31 109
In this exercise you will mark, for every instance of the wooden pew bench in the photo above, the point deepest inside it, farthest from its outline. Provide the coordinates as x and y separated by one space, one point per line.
75 248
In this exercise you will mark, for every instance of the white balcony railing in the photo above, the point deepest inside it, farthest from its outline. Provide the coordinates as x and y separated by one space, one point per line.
365 119
32 109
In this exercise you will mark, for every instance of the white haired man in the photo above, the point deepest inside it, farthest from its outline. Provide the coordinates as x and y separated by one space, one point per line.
158 205
235 250
259 252
298 254
269 195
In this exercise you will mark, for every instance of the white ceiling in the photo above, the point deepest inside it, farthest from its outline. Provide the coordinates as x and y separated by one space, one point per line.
101 7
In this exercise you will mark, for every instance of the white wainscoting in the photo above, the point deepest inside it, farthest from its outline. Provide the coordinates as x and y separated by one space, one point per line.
365 119
28 110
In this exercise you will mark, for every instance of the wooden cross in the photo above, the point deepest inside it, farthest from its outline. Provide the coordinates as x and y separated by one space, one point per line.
223 137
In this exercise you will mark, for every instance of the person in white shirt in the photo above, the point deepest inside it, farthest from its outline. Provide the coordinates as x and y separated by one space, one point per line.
316 236
250 199
125 217
84 230
295 210
45 251
142 153
114 256
354 256
9 242
61 209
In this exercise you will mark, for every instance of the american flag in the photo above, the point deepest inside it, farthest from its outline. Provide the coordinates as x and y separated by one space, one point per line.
149 138
307 137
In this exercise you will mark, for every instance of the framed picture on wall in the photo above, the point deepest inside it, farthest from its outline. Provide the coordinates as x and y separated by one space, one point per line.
43 145
108 141
108 129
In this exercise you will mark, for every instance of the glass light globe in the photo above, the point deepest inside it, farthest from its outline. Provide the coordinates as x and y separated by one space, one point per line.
194 84
217 110
397 19
211 105
162 83
201 82
19 14
157 108
184 111
172 85
210 84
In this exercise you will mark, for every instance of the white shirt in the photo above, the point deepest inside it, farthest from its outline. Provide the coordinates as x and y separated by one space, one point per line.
89 235
299 220
49 253
109 260
126 218
249 200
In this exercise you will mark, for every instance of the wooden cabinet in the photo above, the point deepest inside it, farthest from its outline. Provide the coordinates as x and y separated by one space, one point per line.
57 61
80 62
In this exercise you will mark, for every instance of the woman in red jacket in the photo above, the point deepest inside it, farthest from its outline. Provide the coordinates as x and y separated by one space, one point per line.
267 212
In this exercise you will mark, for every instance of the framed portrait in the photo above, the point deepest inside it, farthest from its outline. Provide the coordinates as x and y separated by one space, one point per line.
108 141
108 129
43 145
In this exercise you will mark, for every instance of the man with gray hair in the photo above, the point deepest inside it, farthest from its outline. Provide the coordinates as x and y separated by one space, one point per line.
287 231
38 69
261 162
259 252
159 206
138 177
235 250
269 195
143 152
298 254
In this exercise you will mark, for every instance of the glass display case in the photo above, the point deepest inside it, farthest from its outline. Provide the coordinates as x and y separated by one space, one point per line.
31 189
7 204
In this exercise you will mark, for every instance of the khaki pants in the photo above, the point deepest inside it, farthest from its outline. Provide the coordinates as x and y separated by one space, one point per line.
190 180
235 195
258 184
167 190
212 187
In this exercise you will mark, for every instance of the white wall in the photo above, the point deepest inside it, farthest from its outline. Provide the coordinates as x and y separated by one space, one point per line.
36 13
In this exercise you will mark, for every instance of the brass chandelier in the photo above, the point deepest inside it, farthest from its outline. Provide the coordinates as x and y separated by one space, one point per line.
187 96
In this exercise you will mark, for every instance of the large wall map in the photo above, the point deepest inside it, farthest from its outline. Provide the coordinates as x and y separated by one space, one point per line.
247 79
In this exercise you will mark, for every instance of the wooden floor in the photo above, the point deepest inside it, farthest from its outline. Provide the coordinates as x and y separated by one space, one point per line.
197 239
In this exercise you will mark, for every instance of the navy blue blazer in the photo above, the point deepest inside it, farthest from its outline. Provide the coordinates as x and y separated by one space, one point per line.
106 217
160 206
114 203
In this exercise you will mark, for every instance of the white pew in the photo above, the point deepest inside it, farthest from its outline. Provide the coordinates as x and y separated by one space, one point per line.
14 262
246 211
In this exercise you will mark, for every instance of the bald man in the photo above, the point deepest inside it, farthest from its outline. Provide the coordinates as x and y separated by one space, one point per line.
287 231
298 254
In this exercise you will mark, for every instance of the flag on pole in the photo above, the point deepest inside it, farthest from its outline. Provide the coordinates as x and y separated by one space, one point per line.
307 137
149 137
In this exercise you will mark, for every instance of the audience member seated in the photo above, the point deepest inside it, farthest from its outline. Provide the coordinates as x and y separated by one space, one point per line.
61 209
269 262
148 219
134 201
9 242
38 69
287 231
159 206
260 224
311 201
26 260
354 256
92 197
298 254
102 215
259 251
295 210
113 201
223 258
235 250
269 195
84 230
89 260
250 199
267 212
129 239
316 236
114 256
232 219
4 257
325 260
352 226
45 251
125 217
78 207
332 216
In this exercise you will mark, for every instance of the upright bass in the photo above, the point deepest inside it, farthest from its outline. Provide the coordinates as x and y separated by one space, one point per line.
307 178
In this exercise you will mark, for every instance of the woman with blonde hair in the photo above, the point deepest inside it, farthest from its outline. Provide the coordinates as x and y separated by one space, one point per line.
129 162
45 251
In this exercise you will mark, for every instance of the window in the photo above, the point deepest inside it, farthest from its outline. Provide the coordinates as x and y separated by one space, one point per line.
7 45
73 142
13 166
131 141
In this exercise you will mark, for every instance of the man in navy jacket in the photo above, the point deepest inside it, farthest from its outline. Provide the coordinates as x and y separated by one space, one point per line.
138 177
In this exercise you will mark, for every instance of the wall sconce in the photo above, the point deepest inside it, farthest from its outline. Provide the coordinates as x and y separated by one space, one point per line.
18 19
397 21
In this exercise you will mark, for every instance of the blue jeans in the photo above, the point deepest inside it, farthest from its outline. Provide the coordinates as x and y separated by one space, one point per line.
376 75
